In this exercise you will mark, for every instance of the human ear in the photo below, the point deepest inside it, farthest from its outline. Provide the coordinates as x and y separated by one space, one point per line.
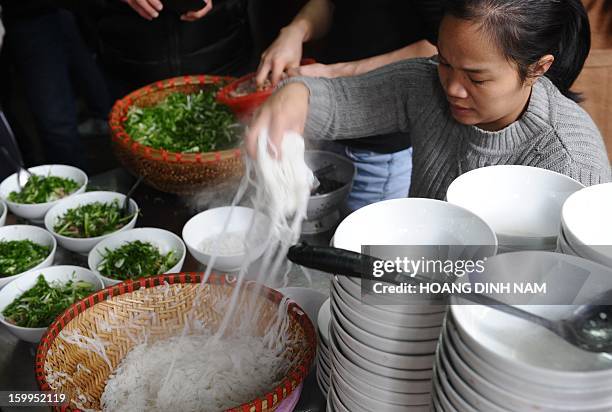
540 68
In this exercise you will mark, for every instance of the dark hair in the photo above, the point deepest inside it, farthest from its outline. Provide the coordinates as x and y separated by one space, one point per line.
526 30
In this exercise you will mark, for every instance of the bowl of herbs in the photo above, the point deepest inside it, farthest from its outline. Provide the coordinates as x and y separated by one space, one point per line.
137 253
29 304
80 222
42 190
23 248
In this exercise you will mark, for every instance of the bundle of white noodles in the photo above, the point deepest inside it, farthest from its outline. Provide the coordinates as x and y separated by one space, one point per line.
199 371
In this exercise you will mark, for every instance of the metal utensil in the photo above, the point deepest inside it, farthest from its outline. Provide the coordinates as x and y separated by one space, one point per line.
588 327
125 210
19 168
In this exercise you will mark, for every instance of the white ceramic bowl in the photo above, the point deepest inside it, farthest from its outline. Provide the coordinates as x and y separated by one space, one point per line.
164 240
521 203
390 360
211 222
36 212
3 212
587 223
84 245
323 319
54 273
308 299
36 235
448 396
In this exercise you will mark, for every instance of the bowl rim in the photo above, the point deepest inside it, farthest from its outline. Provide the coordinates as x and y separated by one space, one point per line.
32 271
9 279
119 136
122 233
271 399
199 215
53 202
51 230
4 207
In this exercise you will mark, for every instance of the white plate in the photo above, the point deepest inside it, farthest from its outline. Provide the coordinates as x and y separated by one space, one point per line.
519 202
323 319
390 360
383 371
380 327
524 349
400 347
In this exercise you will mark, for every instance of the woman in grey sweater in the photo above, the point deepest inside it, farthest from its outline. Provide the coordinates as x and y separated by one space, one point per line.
497 93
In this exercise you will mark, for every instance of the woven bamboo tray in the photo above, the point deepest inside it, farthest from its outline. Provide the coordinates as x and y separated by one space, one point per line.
180 173
81 374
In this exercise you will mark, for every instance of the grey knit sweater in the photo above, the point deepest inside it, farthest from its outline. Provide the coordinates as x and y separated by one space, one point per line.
553 133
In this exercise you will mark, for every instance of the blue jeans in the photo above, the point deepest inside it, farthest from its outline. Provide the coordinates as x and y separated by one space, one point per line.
380 176
50 53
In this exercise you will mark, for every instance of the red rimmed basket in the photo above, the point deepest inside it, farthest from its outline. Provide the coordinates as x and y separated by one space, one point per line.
244 106
180 173
169 296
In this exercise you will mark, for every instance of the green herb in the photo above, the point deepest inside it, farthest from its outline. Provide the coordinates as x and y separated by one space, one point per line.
135 259
17 256
188 123
41 189
40 305
92 220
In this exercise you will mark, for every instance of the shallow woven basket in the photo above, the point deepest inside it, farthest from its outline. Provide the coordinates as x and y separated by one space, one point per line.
86 372
181 173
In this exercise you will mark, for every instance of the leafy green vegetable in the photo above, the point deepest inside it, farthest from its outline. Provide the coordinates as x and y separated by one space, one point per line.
187 123
17 256
40 305
92 220
135 259
41 189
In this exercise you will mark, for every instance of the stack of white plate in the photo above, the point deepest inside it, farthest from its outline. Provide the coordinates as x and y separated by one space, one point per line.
521 203
490 361
586 224
323 348
382 356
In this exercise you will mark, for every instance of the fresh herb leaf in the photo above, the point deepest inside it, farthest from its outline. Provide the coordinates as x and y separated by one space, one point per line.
135 259
92 220
17 256
40 305
42 189
187 123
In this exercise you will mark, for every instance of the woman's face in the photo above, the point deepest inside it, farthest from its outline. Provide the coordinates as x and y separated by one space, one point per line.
482 87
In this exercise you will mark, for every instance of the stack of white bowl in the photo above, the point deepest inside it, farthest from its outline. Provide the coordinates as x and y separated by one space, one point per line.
586 224
521 203
382 356
323 348
490 361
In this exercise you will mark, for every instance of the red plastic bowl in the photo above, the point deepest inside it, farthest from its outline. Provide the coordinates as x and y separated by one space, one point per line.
244 106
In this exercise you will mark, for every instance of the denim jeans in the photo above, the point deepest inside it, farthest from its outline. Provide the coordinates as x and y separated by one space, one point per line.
49 54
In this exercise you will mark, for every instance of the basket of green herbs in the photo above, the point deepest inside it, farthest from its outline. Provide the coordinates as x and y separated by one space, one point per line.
92 220
43 189
18 256
177 135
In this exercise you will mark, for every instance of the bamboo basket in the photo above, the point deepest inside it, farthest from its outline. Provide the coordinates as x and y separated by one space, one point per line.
84 373
180 173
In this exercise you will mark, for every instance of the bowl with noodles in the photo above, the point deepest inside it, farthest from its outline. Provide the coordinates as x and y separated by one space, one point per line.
258 355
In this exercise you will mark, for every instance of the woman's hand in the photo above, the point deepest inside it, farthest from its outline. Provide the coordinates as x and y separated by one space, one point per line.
198 14
284 53
285 111
329 71
148 9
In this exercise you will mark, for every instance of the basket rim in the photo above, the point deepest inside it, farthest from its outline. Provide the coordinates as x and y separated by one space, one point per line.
273 398
120 136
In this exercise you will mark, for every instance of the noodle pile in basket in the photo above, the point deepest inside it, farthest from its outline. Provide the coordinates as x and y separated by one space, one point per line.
221 356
